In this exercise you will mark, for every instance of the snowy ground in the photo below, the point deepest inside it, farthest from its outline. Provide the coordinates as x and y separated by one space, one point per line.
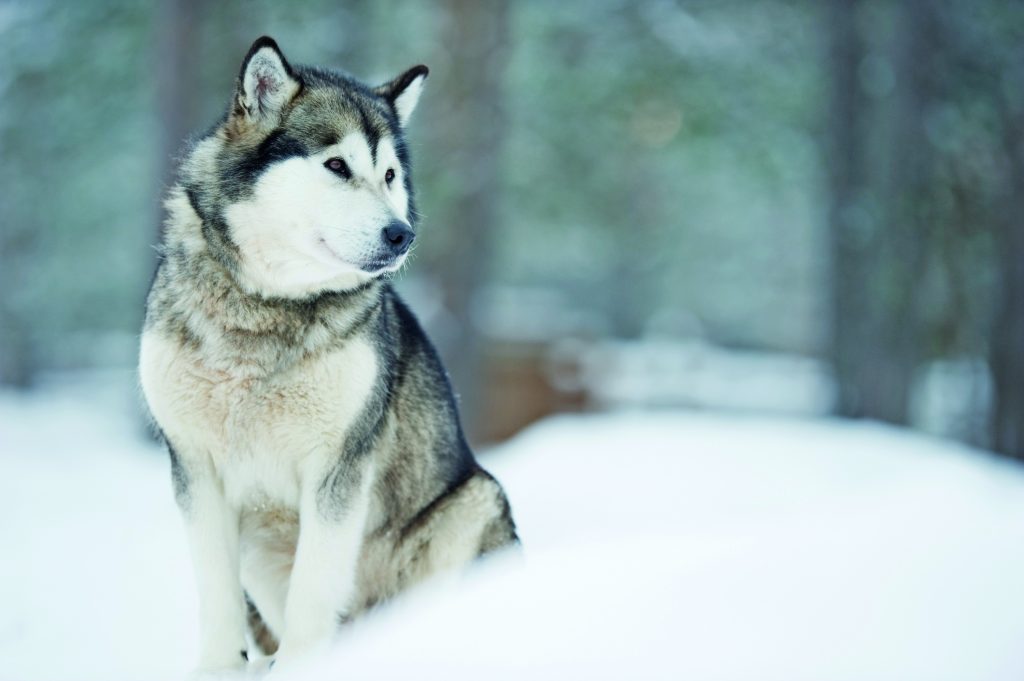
657 545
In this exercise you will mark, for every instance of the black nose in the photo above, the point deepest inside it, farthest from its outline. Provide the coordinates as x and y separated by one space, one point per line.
398 237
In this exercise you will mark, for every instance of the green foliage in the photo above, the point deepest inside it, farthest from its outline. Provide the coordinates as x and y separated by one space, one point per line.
657 157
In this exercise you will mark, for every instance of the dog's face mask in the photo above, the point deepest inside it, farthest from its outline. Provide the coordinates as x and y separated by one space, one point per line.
316 168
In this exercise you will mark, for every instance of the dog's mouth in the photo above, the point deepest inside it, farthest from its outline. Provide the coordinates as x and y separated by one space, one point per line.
380 266
374 266
326 247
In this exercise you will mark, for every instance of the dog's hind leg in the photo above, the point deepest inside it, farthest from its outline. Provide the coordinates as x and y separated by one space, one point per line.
470 521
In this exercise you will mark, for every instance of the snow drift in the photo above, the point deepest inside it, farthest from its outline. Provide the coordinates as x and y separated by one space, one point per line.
656 545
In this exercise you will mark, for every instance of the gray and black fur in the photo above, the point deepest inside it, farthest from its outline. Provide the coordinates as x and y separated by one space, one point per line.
426 493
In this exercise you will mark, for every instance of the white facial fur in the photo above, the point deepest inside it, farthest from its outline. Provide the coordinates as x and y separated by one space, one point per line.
306 229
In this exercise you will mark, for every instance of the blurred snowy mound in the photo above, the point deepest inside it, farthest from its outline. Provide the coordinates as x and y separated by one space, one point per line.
656 545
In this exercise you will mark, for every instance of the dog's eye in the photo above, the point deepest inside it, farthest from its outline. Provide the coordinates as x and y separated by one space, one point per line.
389 176
338 165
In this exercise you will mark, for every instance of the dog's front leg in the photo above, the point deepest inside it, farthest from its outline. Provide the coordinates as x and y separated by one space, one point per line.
212 529
332 517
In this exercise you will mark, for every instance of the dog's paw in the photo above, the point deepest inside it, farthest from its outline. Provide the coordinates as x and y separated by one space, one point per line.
232 667
260 666
280 666
286 662
232 674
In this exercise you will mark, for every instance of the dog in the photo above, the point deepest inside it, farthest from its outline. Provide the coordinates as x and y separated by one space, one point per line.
316 451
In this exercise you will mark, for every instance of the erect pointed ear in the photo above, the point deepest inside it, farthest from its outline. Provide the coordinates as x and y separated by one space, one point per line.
403 92
266 83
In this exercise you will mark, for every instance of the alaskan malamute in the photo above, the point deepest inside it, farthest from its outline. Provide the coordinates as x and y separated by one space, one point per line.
315 444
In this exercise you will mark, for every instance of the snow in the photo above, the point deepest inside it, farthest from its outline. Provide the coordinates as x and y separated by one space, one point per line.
656 545
695 373
94 577
949 398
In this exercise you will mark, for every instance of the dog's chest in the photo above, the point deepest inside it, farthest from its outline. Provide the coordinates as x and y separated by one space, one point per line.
256 431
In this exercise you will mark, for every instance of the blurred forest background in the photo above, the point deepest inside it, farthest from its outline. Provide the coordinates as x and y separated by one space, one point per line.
796 206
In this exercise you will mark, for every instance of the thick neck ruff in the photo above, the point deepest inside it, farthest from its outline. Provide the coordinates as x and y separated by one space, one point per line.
197 300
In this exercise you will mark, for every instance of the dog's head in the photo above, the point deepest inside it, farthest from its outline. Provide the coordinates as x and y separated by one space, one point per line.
305 186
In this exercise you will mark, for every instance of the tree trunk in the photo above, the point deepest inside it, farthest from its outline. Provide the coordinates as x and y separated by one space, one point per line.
908 199
848 222
1006 350
19 243
177 79
18 361
472 133
877 245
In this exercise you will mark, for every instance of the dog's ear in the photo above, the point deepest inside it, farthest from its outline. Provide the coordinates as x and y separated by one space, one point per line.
266 83
403 92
